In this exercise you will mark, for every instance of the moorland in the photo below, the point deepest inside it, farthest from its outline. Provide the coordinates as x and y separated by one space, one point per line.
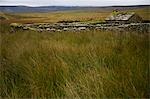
85 64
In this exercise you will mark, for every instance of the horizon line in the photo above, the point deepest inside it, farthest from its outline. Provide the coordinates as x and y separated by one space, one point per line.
75 5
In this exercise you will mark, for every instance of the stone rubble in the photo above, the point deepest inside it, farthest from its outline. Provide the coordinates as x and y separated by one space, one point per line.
59 27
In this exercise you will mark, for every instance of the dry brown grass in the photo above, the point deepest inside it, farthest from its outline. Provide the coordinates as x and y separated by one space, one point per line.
83 16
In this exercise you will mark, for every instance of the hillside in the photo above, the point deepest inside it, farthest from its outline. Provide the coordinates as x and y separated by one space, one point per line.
82 64
96 15
22 9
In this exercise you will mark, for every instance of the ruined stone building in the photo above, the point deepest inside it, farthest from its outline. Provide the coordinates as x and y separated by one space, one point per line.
123 18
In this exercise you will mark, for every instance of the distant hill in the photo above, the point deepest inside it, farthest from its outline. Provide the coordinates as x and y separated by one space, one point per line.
23 9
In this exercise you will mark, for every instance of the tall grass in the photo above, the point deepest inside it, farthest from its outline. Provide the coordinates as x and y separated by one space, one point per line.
89 64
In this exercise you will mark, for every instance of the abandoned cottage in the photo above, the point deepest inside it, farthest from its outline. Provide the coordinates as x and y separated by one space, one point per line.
123 18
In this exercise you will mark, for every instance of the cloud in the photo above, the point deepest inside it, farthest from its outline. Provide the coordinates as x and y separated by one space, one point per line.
74 2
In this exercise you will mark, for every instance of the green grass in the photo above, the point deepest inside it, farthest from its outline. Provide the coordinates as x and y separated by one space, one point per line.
90 64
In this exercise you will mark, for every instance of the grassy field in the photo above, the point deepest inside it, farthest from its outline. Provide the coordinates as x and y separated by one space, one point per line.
90 64
86 64
52 17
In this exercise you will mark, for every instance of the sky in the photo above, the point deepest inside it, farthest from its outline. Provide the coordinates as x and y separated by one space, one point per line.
74 2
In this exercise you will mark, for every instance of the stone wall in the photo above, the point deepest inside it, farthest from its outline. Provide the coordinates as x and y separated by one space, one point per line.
139 27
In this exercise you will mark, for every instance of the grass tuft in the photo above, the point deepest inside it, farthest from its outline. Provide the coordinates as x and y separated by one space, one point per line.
90 64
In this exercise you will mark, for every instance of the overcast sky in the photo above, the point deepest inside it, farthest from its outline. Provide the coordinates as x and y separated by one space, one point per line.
74 2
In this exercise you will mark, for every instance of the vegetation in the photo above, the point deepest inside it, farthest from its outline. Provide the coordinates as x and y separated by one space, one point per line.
87 64
81 16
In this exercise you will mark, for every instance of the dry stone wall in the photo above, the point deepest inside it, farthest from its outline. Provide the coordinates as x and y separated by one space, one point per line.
138 27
